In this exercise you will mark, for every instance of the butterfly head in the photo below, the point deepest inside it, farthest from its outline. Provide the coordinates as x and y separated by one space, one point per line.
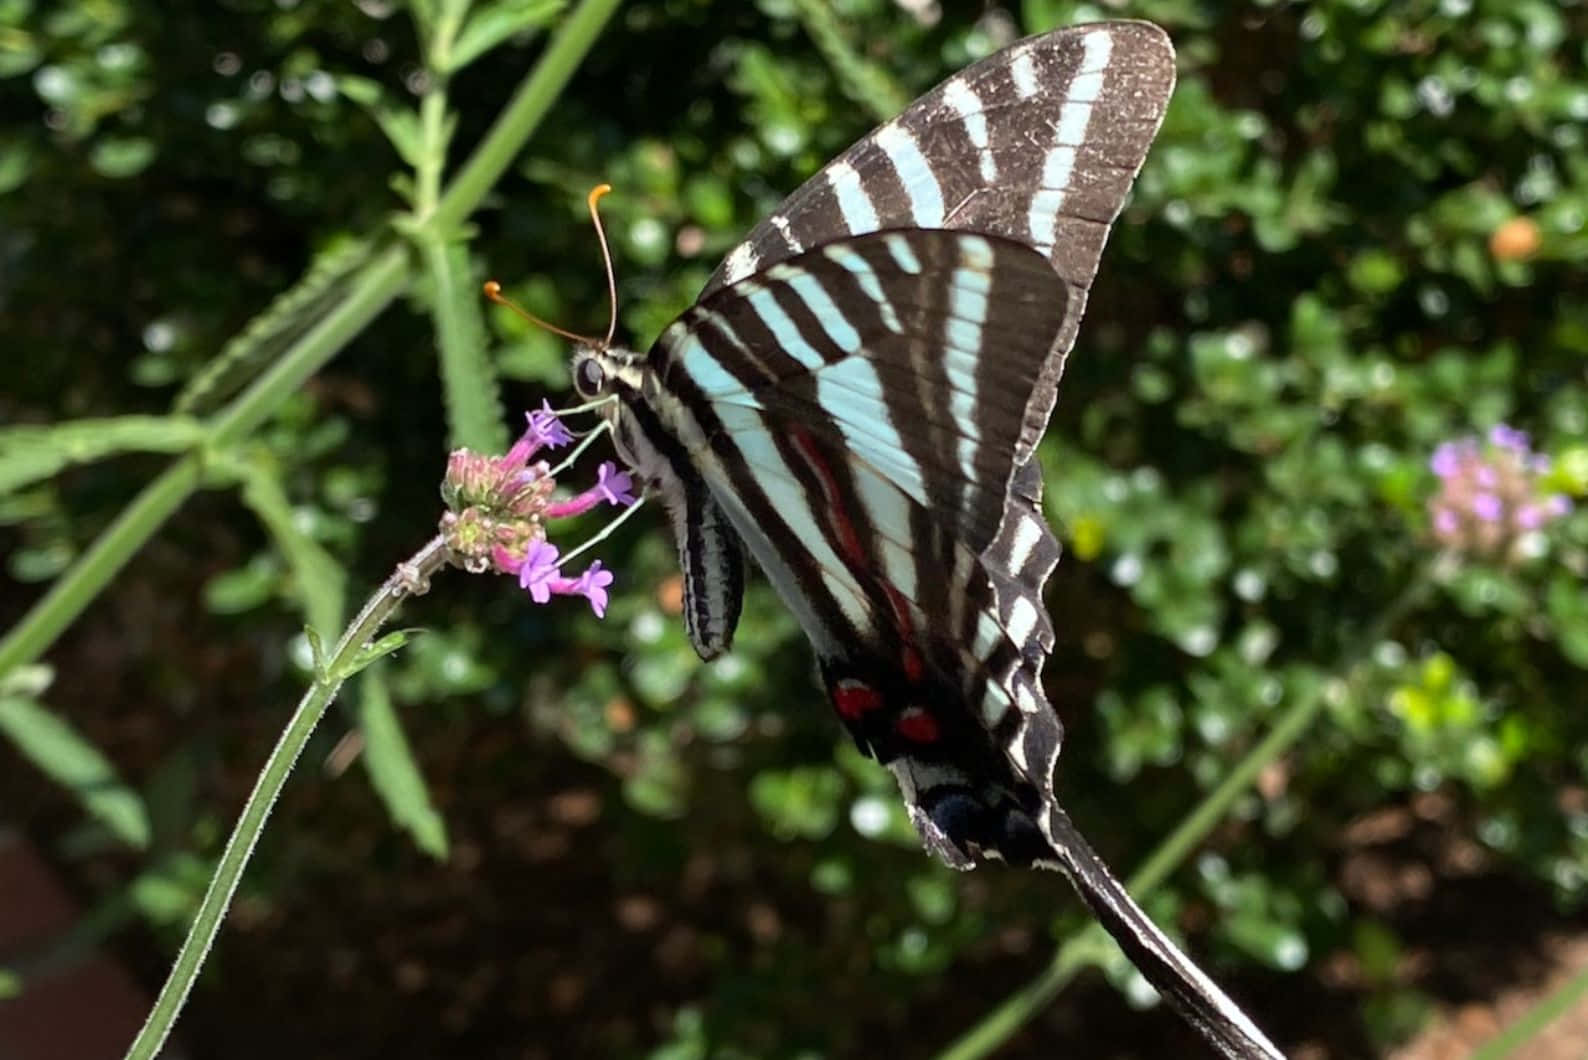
603 371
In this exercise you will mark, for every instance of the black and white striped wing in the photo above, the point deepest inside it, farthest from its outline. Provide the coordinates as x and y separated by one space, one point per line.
1038 143
854 411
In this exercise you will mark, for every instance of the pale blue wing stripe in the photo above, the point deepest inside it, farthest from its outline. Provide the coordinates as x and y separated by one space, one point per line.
915 174
782 327
903 254
826 311
853 200
864 275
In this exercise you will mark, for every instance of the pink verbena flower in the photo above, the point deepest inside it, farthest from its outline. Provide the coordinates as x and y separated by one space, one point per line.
499 507
1491 498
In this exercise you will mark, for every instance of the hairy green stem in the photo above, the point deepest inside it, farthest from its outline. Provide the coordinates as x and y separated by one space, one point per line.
409 579
1001 1022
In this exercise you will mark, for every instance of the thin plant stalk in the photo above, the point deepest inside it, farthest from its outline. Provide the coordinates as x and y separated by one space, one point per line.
409 579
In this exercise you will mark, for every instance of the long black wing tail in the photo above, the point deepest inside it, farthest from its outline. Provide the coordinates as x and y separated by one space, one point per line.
1171 972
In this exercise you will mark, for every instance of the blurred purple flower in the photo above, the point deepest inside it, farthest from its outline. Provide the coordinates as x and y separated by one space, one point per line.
1490 499
1504 436
1446 460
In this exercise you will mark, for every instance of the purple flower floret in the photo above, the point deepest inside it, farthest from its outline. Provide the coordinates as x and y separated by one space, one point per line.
546 428
542 577
612 486
592 584
538 571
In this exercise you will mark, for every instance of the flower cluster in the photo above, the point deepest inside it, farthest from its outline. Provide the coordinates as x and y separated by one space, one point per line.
498 506
1491 499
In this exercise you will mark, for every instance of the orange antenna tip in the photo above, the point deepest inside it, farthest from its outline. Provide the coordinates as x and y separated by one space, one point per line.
493 290
606 258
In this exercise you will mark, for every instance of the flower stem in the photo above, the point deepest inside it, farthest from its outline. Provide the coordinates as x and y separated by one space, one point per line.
409 578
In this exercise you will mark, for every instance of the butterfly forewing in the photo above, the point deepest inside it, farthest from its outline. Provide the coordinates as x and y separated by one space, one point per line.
1038 144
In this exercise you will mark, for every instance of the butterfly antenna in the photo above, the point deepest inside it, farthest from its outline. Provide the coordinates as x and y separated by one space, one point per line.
493 291
606 258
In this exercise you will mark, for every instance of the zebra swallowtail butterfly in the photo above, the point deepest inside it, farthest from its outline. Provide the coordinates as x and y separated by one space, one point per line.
855 401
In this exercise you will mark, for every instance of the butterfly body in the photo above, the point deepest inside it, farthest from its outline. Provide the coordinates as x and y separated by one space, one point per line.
854 403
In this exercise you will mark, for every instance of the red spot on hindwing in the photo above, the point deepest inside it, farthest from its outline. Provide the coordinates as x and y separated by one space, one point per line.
854 698
916 725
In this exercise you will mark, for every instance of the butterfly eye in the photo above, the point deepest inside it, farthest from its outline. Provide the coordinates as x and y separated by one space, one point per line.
589 377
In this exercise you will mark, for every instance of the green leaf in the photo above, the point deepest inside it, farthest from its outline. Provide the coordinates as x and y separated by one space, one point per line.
29 454
496 22
16 162
318 578
389 761
323 289
60 752
123 157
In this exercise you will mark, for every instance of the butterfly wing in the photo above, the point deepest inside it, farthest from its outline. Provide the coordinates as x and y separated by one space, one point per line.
854 411
1038 143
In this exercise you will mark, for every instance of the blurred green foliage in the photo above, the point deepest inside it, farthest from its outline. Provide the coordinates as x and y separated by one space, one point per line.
1361 233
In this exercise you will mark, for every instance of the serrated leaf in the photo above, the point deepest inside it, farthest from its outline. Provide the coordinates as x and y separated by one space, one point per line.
494 23
67 757
29 454
290 316
389 760
469 380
